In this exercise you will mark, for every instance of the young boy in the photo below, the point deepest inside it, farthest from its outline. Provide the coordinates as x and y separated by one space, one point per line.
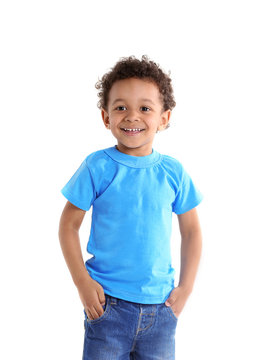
131 306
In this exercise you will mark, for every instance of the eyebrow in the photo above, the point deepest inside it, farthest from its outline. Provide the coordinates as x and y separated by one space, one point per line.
148 100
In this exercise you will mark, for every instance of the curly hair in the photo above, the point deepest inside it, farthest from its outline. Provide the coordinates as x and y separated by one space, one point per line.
130 67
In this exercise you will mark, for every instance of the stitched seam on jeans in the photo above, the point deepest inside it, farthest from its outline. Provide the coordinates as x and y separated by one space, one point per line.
172 313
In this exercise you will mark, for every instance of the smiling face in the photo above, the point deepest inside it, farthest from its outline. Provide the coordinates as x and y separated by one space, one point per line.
135 104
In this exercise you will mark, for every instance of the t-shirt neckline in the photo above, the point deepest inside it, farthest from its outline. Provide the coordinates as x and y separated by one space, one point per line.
133 161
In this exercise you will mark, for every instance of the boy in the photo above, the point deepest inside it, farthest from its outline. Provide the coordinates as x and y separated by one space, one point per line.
131 306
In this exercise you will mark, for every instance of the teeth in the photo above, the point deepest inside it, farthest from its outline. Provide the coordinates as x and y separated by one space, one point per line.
133 129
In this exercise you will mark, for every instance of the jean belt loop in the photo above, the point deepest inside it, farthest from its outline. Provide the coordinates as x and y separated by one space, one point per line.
113 300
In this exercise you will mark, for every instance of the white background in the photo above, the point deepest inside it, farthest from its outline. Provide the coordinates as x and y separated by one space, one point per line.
52 54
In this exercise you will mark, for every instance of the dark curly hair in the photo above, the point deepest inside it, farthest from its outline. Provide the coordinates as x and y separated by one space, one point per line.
130 67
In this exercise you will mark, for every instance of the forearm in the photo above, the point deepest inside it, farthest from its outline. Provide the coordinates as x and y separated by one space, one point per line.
70 244
191 248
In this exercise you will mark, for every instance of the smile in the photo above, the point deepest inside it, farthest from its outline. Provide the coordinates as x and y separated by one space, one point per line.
132 131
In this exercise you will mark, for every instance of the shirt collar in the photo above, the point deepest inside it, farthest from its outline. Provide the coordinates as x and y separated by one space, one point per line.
133 161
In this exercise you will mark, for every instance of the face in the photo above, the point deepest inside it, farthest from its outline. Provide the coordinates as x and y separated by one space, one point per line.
135 104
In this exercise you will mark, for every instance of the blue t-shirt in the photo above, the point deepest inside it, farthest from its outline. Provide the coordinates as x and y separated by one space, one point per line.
133 198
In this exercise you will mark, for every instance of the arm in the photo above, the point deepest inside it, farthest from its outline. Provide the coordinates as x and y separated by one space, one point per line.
91 292
70 222
191 247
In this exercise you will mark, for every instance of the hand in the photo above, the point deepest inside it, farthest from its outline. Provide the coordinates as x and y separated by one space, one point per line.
177 300
92 296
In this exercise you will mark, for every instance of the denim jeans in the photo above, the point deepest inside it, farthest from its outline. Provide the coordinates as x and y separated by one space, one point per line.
130 331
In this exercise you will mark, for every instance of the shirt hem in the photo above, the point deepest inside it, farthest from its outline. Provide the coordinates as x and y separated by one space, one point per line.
73 200
143 299
189 207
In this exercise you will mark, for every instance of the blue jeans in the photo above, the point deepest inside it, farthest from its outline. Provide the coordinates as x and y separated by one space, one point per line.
130 331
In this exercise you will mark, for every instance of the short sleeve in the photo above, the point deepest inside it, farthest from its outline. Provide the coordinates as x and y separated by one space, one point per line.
80 189
188 195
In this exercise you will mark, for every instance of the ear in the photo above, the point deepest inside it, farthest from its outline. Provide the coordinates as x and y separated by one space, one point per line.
165 117
105 118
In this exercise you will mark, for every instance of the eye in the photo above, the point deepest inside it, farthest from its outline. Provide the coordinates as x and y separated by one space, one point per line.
120 108
145 107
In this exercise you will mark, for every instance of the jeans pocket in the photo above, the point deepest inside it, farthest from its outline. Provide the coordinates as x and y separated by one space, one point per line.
171 312
106 308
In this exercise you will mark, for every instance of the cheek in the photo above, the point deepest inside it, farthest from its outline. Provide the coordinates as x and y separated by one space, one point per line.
113 123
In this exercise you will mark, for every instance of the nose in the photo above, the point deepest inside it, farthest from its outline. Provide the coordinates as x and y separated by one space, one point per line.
132 116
